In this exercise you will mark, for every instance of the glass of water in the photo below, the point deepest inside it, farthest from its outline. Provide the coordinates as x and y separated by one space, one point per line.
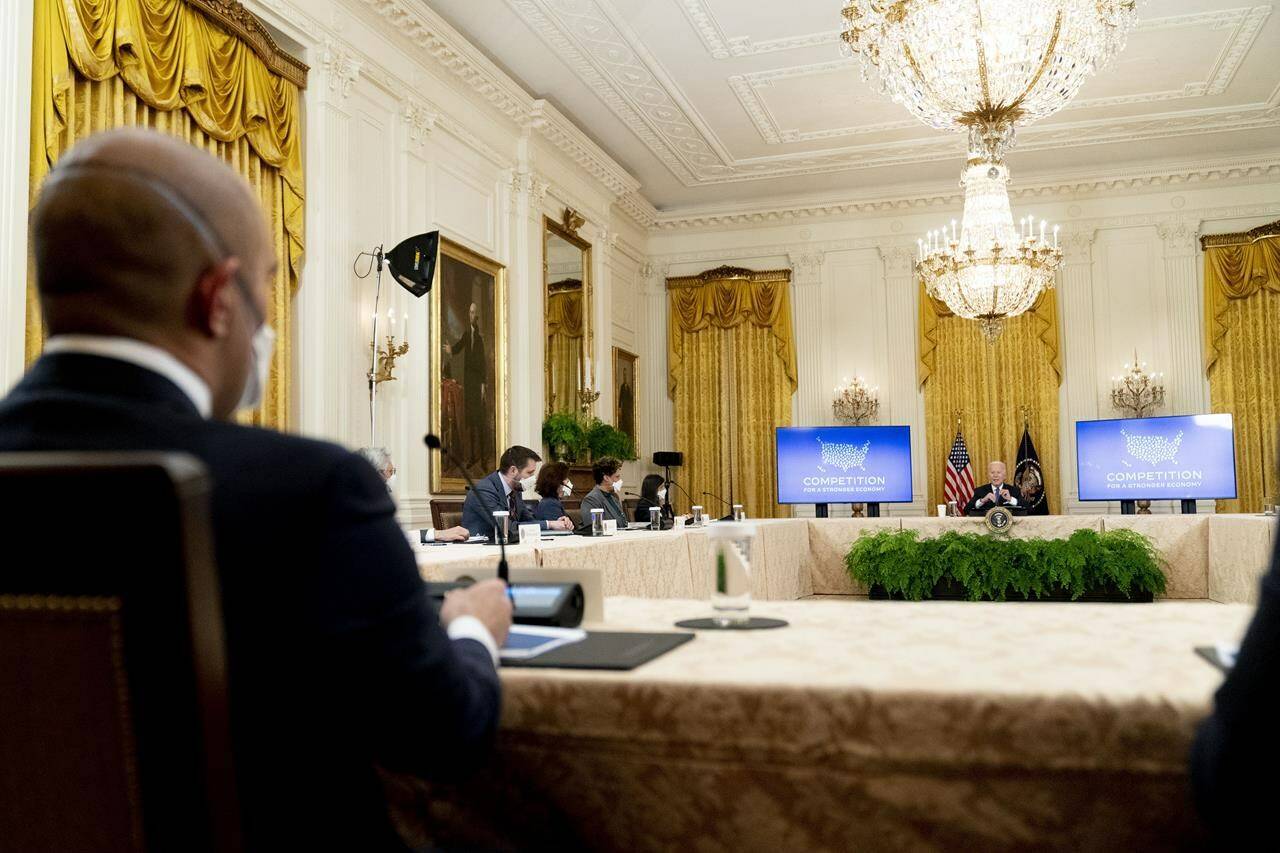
500 521
731 572
597 522
739 514
655 518
697 515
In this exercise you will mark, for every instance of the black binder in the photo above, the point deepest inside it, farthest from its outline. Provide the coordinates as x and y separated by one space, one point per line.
615 650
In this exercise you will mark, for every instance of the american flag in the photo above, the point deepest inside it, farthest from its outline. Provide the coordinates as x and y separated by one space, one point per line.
958 485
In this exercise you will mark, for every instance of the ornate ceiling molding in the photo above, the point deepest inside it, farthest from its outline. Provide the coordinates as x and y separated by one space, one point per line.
910 199
609 58
421 27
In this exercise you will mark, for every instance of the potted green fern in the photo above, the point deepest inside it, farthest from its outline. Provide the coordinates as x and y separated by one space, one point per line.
564 436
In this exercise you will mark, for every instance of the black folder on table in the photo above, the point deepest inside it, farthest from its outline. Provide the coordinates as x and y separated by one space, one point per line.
616 650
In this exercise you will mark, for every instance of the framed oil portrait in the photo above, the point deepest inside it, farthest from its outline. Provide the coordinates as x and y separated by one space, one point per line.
625 394
469 368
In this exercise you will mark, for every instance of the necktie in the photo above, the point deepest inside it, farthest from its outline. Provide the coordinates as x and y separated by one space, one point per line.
511 507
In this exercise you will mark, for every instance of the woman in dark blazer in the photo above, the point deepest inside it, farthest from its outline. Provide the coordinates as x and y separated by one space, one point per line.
653 493
552 486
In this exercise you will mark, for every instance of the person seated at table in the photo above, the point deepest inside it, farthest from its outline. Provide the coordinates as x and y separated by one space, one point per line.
552 486
1236 748
380 459
504 490
995 492
653 492
607 473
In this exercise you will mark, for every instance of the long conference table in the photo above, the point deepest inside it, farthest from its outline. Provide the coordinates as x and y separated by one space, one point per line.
864 724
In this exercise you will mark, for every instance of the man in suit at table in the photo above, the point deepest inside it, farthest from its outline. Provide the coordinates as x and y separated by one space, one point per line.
607 473
995 492
154 268
504 490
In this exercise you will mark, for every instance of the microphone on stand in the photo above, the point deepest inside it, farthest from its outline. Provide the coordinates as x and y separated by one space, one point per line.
728 517
432 441
681 488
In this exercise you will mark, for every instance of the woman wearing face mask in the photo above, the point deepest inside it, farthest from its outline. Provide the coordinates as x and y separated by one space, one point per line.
653 493
552 486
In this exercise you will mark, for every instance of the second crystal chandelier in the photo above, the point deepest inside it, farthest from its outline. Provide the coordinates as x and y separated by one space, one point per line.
984 67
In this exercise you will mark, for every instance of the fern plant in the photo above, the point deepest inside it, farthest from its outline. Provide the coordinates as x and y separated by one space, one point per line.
991 568
564 436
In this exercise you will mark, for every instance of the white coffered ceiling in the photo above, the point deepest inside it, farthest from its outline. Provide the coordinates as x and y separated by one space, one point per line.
715 102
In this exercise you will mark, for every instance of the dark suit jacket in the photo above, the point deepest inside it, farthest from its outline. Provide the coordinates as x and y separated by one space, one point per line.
549 509
984 490
1233 761
487 498
337 659
474 366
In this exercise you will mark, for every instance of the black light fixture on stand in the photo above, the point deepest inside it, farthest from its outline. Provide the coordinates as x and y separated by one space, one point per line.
413 265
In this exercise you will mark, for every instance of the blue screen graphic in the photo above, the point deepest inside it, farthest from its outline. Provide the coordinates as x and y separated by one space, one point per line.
1173 458
868 464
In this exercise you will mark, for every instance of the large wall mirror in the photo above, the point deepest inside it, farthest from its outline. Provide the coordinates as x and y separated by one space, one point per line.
566 259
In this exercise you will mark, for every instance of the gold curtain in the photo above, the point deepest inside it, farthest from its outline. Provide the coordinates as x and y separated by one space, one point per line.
961 372
564 349
731 374
99 64
1242 354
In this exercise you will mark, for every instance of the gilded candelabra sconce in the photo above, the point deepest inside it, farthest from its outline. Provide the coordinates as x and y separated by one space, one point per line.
856 403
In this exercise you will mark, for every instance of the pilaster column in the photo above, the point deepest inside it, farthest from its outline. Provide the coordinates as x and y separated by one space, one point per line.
1080 397
1187 389
331 333
15 153
658 414
526 391
901 400
812 406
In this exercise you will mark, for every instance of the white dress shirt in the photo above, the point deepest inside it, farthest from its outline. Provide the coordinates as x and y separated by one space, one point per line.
144 355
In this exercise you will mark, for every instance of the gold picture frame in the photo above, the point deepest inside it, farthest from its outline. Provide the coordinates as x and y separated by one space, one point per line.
468 365
626 394
564 399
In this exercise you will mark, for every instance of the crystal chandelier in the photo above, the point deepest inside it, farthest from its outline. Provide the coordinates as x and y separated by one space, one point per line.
984 66
989 270
1137 392
855 401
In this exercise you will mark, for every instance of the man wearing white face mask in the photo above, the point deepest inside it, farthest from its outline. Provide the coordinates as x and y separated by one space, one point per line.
154 266
503 490
607 494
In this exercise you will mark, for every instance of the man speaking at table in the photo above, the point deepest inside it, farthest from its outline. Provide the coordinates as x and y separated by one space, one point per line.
995 492
154 268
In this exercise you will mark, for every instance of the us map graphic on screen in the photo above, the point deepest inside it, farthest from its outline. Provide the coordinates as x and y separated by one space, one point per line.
869 464
1172 458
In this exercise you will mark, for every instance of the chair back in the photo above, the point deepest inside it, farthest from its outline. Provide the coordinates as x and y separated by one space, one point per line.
114 734
445 513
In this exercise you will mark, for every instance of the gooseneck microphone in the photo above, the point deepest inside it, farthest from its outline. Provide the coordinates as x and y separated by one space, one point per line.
717 497
432 441
688 496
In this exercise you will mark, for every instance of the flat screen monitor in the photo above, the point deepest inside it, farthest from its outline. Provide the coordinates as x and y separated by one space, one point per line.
850 464
1184 457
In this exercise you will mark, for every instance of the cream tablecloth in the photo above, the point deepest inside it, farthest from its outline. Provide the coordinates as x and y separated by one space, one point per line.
863 726
1239 549
1183 543
642 563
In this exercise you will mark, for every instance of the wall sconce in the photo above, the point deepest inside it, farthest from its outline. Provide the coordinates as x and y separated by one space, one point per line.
1136 392
383 360
855 402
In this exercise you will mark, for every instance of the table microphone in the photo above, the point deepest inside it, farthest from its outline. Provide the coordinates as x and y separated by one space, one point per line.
688 496
728 517
432 441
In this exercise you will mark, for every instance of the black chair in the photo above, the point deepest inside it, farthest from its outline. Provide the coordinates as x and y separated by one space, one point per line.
114 733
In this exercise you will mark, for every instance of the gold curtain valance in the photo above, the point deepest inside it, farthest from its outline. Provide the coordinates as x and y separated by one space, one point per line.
1044 316
727 297
174 57
564 314
1236 270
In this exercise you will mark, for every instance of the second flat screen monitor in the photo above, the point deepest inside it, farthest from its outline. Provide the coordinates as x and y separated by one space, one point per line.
853 464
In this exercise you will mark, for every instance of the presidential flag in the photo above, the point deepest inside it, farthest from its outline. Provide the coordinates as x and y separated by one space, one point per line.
958 482
1029 478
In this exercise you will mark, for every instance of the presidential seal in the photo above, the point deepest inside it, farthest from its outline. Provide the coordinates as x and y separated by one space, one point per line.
999 519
